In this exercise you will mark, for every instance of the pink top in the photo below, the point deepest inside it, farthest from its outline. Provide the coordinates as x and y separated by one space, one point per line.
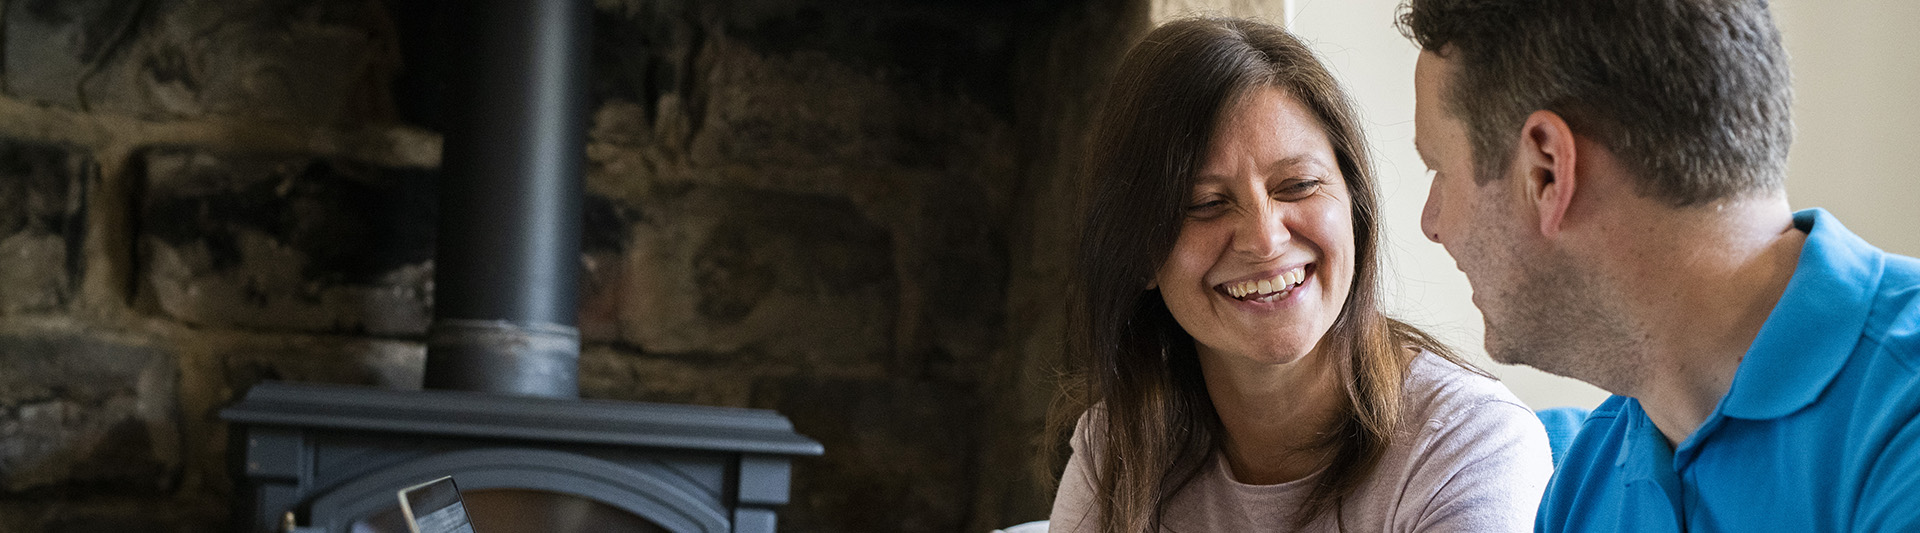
1470 457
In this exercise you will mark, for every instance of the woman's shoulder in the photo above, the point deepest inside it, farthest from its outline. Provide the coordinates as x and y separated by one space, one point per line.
1442 393
1473 456
1085 438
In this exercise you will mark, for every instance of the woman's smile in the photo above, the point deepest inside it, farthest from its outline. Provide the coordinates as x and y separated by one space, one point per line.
1267 288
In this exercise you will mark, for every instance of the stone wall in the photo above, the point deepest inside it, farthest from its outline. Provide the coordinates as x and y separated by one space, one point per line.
854 212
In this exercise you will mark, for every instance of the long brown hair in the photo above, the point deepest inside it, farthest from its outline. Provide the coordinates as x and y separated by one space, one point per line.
1132 360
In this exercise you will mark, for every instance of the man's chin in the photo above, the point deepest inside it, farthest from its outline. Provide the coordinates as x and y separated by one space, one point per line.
1500 353
1506 358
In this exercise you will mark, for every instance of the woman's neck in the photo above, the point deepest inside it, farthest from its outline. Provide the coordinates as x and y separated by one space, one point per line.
1275 415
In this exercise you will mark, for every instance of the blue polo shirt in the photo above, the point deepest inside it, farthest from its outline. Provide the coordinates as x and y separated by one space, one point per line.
1817 433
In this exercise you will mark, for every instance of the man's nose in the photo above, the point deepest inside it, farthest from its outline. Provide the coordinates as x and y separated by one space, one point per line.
1430 215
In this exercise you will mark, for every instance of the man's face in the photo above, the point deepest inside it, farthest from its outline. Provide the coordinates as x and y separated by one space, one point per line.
1442 140
1541 309
1460 214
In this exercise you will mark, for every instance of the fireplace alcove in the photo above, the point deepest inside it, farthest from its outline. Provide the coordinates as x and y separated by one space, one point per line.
334 456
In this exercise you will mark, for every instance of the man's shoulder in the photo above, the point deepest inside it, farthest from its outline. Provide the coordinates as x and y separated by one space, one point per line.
1609 409
1894 321
1585 485
1601 435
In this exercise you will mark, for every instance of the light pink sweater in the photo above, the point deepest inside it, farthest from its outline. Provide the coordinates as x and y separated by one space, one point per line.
1469 457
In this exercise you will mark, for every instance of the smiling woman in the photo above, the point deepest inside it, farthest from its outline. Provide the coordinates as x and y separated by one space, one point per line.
1265 258
1235 372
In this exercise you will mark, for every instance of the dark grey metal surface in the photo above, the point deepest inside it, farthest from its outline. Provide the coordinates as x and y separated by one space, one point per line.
334 455
508 248
501 357
466 414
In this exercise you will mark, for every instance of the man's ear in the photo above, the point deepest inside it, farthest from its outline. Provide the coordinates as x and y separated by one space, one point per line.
1547 156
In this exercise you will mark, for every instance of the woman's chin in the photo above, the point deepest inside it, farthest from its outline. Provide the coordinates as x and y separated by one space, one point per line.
1273 354
1280 357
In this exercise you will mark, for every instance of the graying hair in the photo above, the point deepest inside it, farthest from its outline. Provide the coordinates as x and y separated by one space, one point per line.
1694 95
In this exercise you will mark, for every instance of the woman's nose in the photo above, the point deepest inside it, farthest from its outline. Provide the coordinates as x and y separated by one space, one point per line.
1262 233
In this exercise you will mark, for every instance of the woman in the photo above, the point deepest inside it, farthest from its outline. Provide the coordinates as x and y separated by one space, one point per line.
1239 373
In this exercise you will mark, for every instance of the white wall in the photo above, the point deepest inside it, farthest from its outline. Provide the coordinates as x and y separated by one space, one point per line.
1856 149
1857 110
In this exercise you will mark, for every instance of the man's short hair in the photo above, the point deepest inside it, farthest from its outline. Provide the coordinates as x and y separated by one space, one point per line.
1694 95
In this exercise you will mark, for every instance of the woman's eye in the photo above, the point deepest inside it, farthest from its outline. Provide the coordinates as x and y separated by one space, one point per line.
1297 189
1206 208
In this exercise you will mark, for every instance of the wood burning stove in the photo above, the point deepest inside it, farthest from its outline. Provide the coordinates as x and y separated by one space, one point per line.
504 349
334 456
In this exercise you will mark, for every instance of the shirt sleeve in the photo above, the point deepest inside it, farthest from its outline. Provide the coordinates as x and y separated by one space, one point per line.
1482 470
1887 504
1073 507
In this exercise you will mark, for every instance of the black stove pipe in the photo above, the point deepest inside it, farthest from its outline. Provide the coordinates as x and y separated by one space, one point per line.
507 259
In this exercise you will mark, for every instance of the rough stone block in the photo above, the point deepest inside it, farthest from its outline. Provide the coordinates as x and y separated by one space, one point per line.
53 45
808 109
642 69
219 368
899 454
922 84
793 280
350 361
964 279
83 414
43 191
613 374
94 515
307 61
606 231
287 242
963 49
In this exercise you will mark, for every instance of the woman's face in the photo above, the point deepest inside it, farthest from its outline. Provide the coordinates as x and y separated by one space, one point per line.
1264 260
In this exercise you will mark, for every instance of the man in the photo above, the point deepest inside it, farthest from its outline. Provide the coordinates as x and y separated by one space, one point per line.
1610 175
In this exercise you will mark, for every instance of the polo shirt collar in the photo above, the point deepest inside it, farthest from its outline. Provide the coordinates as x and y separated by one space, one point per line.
1814 328
1646 464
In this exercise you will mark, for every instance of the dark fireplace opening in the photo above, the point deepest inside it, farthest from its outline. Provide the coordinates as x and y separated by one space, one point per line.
532 510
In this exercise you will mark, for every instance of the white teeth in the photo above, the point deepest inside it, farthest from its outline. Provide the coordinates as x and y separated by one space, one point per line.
1280 284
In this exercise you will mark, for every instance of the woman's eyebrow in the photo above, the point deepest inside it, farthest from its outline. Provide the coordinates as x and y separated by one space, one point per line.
1296 161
